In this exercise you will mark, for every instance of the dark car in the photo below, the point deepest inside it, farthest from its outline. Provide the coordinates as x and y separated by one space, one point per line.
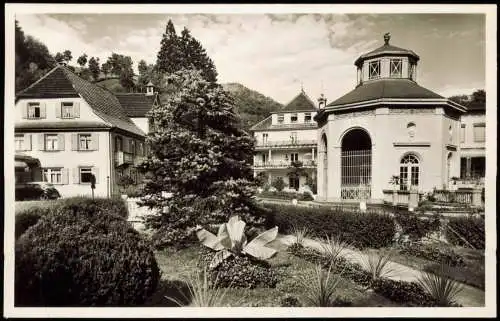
36 191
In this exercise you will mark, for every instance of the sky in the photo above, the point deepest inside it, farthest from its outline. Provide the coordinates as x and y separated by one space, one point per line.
277 54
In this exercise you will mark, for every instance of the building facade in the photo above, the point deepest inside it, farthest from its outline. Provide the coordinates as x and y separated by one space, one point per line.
69 131
285 138
388 126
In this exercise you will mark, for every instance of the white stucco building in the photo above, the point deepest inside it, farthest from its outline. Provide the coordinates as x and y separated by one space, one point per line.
286 136
387 126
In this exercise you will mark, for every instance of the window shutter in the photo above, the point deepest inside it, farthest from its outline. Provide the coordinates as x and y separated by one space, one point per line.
43 111
95 171
65 176
60 137
27 141
76 110
76 175
41 141
58 110
24 107
74 141
95 141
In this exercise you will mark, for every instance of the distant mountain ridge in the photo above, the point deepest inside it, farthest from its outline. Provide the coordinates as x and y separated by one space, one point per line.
251 105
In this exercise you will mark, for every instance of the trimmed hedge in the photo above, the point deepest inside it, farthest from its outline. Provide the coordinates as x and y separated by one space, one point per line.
78 257
362 230
416 227
434 253
114 206
27 218
471 229
239 271
287 195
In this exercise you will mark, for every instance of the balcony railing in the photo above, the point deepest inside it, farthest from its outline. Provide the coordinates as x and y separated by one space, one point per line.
296 125
287 143
124 158
282 164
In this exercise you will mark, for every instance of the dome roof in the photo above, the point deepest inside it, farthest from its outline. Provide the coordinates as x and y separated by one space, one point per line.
386 50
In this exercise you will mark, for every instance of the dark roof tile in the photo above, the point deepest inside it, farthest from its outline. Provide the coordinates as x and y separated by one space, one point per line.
300 103
136 105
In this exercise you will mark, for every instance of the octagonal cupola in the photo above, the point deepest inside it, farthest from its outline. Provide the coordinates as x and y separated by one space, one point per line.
386 62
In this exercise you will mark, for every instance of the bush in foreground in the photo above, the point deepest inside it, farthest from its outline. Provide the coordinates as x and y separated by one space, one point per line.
27 218
73 258
434 253
358 229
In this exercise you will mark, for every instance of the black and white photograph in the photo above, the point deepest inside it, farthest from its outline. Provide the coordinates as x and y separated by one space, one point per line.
250 160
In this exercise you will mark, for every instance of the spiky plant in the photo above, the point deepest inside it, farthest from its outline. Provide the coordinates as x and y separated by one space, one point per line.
334 248
300 234
202 292
444 290
378 265
320 291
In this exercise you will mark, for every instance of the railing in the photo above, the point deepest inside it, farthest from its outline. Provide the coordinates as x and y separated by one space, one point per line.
355 192
295 125
397 197
464 196
124 158
287 143
282 164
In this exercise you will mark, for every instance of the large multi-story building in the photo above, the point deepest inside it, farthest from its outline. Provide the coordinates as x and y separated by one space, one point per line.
69 131
285 137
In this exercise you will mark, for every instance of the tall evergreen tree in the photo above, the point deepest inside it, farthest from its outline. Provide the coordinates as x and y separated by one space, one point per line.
170 57
196 56
200 156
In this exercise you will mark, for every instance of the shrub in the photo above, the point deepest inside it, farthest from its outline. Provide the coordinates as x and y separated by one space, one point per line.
359 229
115 206
289 301
28 218
278 183
378 265
416 227
434 253
287 195
76 258
408 293
441 288
239 271
320 289
469 228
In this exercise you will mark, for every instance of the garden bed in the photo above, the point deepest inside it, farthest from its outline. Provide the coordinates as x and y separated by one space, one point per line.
174 264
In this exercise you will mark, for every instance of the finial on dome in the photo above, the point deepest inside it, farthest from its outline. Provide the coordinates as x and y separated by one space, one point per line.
387 37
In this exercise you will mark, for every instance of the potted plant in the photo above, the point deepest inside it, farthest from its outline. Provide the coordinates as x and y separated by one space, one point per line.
394 182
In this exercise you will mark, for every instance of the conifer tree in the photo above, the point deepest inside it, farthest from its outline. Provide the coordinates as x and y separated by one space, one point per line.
170 56
196 56
198 154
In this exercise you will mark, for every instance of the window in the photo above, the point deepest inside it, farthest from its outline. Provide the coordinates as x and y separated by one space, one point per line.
411 71
67 110
293 137
307 118
294 157
52 175
281 118
132 146
264 138
34 110
396 68
411 127
294 182
264 158
118 144
19 142
478 166
51 142
462 133
374 69
409 172
85 175
450 133
294 118
140 149
479 133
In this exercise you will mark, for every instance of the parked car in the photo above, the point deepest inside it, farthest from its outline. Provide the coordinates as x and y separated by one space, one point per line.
36 191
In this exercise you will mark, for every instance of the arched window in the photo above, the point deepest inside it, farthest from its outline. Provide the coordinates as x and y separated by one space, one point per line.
409 172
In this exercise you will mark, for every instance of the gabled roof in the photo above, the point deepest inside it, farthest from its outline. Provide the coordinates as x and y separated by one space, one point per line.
136 104
385 88
300 103
62 82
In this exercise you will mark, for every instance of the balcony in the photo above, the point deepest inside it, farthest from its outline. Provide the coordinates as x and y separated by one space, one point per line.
285 144
283 164
122 158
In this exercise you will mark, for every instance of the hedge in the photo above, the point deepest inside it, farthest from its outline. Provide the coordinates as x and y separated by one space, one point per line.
362 230
416 227
76 257
469 228
287 195
27 218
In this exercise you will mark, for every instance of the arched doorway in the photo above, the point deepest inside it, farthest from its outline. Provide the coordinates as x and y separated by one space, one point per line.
356 165
409 172
324 163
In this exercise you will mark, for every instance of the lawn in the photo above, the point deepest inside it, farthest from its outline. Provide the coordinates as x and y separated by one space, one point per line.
176 264
472 273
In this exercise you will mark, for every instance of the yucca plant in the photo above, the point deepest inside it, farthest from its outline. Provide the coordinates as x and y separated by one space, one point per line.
231 240
320 291
202 292
300 234
444 290
334 248
378 265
